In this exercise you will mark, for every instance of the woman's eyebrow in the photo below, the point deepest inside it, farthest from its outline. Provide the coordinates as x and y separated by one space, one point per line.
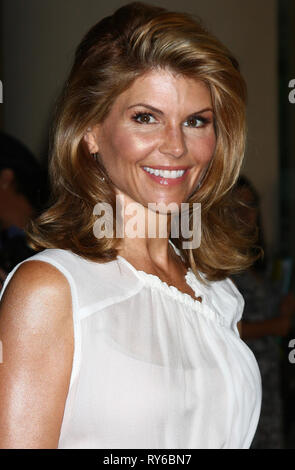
156 110
202 111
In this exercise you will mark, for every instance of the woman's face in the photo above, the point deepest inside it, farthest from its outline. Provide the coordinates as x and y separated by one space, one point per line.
158 138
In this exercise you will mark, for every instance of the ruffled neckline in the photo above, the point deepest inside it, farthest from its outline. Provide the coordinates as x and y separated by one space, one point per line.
200 291
156 282
190 278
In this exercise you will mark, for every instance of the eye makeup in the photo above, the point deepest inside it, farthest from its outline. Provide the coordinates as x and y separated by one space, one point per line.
143 117
196 117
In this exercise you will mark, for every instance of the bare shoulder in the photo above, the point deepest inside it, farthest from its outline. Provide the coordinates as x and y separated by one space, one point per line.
37 288
34 276
36 331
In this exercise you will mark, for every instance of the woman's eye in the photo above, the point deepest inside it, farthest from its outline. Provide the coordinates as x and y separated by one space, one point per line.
144 118
195 121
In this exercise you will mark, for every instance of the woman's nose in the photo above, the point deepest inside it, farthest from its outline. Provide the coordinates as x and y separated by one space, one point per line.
173 142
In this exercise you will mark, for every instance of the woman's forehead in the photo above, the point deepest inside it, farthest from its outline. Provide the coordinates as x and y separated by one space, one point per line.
166 87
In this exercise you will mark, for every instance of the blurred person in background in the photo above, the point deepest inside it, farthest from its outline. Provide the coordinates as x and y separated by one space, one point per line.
267 316
23 193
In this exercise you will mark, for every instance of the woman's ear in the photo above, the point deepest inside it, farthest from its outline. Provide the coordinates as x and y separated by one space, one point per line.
91 139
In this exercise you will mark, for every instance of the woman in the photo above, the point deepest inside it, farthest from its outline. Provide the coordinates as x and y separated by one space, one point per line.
121 342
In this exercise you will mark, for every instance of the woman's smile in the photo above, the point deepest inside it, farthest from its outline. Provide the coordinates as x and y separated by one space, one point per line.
167 175
158 138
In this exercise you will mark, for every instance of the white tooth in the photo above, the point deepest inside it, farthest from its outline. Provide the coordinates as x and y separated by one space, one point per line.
165 173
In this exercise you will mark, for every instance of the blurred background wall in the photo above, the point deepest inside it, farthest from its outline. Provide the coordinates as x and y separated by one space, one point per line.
1 65
37 46
286 72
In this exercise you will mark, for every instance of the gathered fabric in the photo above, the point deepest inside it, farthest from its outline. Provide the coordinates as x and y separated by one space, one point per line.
154 368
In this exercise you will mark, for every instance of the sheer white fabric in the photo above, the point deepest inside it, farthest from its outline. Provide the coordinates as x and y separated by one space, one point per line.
152 367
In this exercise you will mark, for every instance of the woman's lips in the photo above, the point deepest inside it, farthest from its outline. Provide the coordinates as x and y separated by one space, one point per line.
166 181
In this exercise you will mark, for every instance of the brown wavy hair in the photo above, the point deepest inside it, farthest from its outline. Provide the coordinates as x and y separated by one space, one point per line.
134 40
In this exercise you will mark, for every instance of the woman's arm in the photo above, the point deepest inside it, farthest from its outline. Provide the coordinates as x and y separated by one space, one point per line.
239 326
36 330
277 326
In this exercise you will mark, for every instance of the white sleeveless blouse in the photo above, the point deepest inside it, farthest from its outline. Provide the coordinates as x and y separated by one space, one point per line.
152 367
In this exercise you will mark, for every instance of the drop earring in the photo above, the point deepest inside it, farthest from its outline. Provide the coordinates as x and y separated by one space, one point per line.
96 158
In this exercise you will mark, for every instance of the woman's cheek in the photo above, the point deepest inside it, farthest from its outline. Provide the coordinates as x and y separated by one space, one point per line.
203 149
135 147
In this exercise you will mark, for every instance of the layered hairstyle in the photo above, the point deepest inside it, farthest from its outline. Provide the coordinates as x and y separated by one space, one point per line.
136 39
